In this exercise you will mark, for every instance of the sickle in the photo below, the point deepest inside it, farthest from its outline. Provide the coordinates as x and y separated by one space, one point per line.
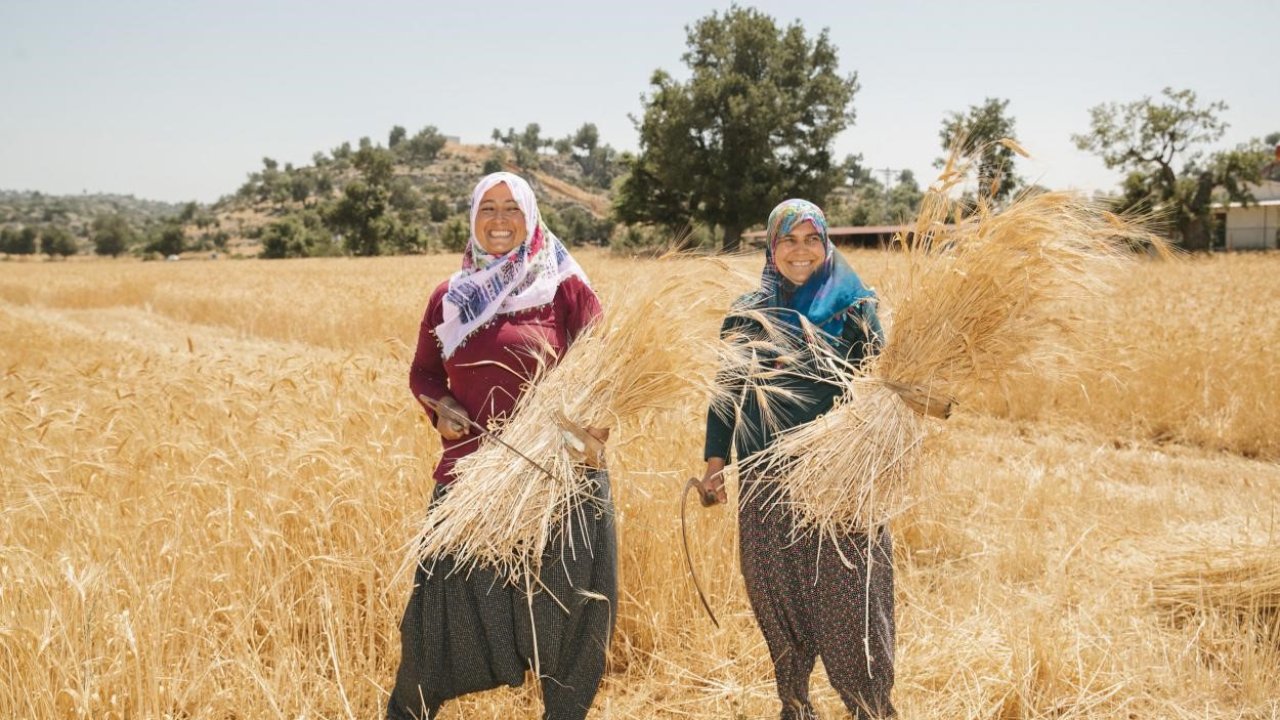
684 537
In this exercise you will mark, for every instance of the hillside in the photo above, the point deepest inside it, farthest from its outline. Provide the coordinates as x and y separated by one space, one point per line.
426 196
21 208
424 193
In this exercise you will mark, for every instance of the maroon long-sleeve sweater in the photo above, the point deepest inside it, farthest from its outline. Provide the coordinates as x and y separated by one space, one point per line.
488 372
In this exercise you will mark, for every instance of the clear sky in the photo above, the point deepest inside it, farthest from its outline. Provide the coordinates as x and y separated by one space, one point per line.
180 100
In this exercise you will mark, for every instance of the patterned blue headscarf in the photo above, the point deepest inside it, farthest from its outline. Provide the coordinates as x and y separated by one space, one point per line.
829 291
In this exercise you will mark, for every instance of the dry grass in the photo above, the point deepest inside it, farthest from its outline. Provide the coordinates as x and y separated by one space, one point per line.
209 471
1236 582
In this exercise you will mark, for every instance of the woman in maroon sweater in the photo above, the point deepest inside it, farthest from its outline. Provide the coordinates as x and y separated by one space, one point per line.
520 300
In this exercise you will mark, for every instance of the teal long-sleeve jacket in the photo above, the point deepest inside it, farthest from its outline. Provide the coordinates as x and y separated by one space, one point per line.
811 387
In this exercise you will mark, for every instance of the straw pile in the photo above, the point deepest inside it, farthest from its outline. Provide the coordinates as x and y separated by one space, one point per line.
989 294
623 373
1240 583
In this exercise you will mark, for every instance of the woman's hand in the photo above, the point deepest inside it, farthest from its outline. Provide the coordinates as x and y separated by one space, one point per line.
452 420
712 490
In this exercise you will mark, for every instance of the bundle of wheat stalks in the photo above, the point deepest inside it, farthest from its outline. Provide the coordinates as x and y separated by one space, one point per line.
1240 582
641 361
987 293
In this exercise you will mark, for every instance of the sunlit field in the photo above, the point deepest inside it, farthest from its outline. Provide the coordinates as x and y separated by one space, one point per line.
209 472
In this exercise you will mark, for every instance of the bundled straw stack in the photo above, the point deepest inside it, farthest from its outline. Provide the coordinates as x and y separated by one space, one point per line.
1238 582
623 373
985 295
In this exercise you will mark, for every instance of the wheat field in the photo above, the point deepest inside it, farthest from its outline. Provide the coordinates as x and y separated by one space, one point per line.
210 471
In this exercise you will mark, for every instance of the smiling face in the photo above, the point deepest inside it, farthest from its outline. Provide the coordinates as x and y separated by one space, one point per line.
499 224
800 252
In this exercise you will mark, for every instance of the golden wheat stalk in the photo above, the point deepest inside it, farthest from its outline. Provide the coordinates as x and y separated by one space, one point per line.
1241 582
626 371
986 295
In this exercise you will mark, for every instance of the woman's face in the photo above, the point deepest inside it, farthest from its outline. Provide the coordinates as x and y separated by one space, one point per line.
499 221
798 253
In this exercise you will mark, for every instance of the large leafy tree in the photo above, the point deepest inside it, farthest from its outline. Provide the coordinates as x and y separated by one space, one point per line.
19 241
395 137
297 235
978 133
57 240
422 147
364 216
167 239
1161 146
752 125
112 234
25 242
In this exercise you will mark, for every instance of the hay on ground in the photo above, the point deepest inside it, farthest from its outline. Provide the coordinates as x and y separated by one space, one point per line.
1240 583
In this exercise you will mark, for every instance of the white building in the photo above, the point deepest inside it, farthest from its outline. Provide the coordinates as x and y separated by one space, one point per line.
1256 227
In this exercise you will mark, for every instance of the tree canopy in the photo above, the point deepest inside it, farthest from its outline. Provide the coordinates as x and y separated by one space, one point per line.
1162 146
57 240
978 133
365 215
526 145
112 234
754 124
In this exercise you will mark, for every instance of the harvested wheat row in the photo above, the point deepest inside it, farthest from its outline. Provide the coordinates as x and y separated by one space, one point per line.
1237 581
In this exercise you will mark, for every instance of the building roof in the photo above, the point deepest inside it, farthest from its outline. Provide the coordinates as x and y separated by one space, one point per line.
1265 193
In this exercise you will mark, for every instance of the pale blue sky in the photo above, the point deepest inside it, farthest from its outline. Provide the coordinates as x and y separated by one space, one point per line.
178 100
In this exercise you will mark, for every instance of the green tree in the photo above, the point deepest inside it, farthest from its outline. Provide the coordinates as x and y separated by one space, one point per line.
455 234
296 235
979 132
495 163
168 240
363 217
359 216
270 185
753 124
396 137
424 146
189 212
598 163
576 225
404 196
111 235
526 145
437 209
26 242
8 239
301 184
1161 146
376 165
57 240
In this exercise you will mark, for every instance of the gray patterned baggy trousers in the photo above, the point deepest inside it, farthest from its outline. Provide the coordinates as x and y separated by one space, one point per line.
809 604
